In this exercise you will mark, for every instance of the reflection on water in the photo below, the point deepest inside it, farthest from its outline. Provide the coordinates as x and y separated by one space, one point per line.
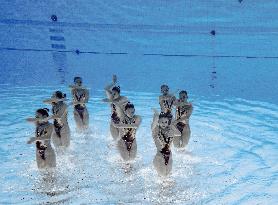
231 158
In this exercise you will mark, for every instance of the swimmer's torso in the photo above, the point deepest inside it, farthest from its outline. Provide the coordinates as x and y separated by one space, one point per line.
162 137
166 103
43 130
115 110
128 133
58 110
165 137
163 142
183 110
80 95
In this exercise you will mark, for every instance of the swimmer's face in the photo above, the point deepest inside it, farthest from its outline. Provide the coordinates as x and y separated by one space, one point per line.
163 122
164 90
183 96
39 116
130 112
78 82
115 94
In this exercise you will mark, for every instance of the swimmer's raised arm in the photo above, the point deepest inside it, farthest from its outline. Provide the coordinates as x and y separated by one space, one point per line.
160 101
176 102
109 87
190 110
34 120
181 119
46 136
106 100
160 144
114 81
174 130
155 111
77 86
87 96
65 111
155 118
49 101
174 93
33 139
121 105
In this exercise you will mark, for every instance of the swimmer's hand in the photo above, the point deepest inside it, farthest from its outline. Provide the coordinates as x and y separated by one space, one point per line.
77 103
34 120
49 101
77 86
31 119
56 117
155 111
175 130
53 100
31 140
114 124
175 92
106 100
114 79
71 86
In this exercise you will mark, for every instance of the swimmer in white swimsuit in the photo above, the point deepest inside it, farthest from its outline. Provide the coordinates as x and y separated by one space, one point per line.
61 136
45 155
80 96
127 145
118 103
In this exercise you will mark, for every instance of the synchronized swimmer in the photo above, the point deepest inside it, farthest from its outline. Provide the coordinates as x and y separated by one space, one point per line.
166 129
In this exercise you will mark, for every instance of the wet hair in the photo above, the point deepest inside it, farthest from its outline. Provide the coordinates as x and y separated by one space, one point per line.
43 112
60 95
164 85
168 115
163 115
129 105
117 89
183 92
77 78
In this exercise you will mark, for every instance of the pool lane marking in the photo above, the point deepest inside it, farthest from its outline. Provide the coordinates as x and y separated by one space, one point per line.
144 54
57 38
58 46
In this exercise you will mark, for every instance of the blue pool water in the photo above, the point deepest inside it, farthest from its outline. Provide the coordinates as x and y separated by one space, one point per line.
230 77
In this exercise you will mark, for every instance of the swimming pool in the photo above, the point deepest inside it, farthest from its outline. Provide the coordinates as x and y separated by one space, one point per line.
230 78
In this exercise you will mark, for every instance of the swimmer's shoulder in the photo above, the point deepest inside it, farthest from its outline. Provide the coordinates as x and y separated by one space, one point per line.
85 89
178 102
172 96
64 106
155 131
123 99
138 118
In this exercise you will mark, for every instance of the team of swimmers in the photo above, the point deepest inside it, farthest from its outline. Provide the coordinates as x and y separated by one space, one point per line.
166 129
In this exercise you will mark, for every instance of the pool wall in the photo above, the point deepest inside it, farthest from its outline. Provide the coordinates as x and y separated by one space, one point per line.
210 48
